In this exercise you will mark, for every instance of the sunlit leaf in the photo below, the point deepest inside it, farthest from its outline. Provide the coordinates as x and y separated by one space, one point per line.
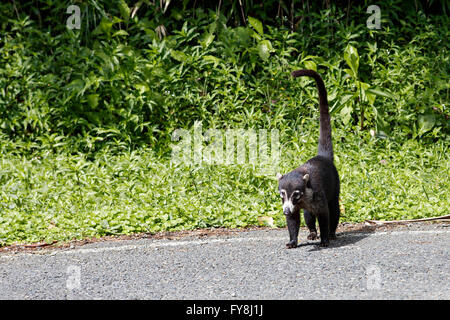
426 122
256 24
264 49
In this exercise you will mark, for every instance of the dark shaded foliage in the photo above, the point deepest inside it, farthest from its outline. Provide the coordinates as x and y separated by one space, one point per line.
137 70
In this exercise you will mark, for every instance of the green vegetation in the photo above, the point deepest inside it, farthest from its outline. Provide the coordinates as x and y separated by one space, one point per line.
86 116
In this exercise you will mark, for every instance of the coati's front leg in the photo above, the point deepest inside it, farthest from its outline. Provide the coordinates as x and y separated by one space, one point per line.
293 224
310 221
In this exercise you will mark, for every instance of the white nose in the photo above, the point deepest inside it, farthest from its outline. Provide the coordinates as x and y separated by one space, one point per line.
288 207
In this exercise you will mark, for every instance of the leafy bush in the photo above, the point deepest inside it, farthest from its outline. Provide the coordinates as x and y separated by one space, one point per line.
86 116
115 83
63 196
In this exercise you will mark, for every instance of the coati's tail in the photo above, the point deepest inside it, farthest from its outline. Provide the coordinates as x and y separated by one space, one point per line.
325 143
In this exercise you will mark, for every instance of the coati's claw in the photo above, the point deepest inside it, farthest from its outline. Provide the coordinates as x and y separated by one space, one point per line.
332 236
291 245
312 236
324 244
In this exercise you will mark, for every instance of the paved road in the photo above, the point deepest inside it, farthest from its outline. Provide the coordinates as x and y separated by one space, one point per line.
402 263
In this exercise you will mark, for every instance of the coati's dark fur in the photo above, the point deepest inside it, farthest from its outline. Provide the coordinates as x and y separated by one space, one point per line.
314 186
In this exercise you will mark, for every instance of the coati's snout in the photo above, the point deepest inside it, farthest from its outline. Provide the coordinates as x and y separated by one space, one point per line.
288 206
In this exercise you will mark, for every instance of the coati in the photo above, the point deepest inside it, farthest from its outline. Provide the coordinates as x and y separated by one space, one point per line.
314 186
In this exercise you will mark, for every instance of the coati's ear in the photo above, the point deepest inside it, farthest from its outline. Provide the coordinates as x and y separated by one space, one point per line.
279 176
306 178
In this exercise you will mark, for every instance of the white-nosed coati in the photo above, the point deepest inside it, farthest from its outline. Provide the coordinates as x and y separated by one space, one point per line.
314 186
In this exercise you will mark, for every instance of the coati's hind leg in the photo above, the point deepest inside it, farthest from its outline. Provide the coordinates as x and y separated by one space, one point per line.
324 225
333 208
310 221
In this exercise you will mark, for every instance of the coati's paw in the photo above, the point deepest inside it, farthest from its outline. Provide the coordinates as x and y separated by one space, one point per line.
324 244
312 235
291 244
332 236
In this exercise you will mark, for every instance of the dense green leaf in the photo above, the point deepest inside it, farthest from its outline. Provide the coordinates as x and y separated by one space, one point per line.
352 58
124 10
426 122
179 55
264 49
382 93
256 24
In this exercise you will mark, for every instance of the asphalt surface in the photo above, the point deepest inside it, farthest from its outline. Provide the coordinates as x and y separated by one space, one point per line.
402 263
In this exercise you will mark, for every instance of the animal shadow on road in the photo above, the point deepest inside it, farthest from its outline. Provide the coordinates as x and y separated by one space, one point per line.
343 238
